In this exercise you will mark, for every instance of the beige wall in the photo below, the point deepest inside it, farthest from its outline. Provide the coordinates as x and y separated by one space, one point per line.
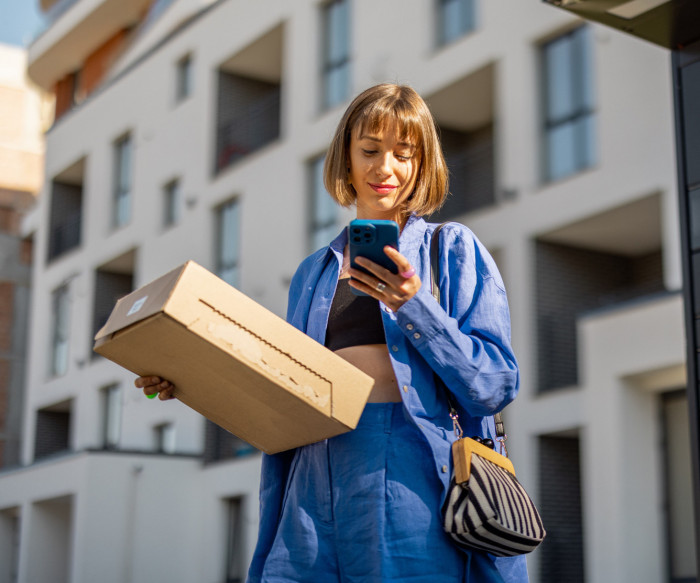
24 116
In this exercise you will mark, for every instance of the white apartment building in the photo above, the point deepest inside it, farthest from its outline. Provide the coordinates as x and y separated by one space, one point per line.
196 129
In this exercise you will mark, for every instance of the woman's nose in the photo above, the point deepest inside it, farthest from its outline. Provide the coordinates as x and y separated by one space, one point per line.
384 165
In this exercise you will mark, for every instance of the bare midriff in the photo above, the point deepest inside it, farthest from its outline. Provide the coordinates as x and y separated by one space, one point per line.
373 359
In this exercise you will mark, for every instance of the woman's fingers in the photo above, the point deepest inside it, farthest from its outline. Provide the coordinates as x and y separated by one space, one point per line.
406 270
153 385
167 393
393 289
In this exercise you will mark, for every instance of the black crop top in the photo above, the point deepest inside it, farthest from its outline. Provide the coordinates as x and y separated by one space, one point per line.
353 320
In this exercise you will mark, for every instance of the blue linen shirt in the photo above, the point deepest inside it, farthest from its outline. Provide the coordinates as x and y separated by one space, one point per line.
466 341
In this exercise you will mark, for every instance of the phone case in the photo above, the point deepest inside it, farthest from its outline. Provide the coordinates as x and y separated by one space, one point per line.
368 238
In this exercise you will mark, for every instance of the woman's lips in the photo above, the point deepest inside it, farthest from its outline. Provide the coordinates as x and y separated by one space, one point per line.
382 188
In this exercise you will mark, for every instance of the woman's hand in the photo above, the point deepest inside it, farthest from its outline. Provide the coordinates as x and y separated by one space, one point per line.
155 385
393 289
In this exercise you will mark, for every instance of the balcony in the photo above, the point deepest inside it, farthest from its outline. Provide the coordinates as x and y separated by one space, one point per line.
66 210
603 261
77 28
248 117
248 112
465 116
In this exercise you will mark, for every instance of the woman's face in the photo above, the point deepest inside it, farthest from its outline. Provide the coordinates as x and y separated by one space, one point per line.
383 172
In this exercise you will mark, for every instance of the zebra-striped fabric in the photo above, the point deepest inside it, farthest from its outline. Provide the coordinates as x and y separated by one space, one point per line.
492 512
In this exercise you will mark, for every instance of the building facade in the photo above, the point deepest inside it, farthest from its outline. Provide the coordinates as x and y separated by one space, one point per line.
24 115
196 129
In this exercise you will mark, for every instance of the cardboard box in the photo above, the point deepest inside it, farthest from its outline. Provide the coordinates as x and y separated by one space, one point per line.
234 361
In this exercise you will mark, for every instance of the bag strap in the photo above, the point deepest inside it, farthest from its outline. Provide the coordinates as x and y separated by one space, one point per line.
435 290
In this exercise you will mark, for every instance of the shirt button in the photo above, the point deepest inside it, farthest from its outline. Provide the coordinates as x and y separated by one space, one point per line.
395 348
416 335
409 326
444 469
405 388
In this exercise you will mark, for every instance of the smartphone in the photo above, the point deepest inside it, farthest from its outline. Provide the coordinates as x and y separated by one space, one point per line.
368 238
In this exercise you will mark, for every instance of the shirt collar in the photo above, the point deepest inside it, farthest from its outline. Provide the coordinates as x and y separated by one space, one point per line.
337 245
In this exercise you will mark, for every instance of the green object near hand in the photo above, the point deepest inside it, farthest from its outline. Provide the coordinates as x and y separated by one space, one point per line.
153 396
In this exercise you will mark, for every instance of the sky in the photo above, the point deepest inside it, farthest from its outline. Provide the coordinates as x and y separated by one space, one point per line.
20 21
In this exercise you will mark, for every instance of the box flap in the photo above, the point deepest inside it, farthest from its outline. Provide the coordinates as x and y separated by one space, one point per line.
142 303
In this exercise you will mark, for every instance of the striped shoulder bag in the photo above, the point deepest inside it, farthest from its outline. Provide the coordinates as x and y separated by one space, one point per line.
486 508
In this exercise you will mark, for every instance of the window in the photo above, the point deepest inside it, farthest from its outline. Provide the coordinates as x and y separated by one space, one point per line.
66 210
52 433
122 181
568 105
336 52
228 241
183 78
561 555
678 482
67 93
10 526
172 196
60 327
165 437
111 416
455 18
324 210
235 564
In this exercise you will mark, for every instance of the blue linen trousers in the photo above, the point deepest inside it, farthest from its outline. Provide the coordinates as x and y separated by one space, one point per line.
364 507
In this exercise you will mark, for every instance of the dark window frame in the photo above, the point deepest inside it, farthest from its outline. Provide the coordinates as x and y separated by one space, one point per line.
184 71
331 63
172 202
466 10
578 114
122 182
225 264
60 329
321 223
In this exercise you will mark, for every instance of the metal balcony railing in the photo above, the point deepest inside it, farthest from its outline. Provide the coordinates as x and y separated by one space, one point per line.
255 125
64 236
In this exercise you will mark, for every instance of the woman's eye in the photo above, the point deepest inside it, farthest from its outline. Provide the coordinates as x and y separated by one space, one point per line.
369 152
403 158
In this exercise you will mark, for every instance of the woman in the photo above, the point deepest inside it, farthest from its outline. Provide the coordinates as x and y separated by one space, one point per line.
366 505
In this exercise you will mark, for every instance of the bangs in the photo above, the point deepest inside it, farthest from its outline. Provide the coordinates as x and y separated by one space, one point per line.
379 116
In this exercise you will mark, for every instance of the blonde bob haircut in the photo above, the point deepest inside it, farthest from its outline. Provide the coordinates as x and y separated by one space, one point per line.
374 110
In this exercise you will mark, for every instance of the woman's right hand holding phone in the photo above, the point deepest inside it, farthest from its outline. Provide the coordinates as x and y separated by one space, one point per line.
153 385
